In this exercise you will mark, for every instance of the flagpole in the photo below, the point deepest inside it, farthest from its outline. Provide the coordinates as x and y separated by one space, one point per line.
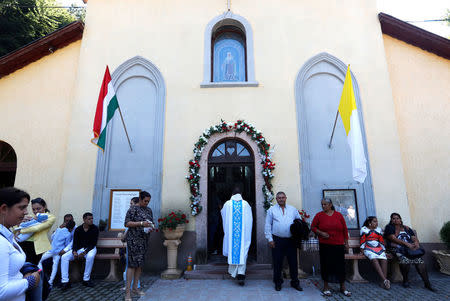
124 127
334 127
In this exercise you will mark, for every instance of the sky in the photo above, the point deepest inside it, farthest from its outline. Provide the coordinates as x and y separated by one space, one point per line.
419 10
406 10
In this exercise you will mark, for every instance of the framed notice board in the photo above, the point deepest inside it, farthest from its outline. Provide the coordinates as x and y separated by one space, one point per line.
344 201
119 203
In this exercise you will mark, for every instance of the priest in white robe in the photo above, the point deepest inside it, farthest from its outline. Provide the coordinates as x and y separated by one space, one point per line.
237 226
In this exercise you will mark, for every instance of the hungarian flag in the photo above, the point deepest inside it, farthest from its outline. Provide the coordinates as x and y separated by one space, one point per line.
349 116
106 107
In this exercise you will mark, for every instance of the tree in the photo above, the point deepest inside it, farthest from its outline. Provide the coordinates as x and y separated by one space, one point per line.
23 21
78 12
447 17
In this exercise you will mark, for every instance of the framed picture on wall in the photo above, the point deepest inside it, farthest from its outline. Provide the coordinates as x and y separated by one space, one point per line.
119 203
344 201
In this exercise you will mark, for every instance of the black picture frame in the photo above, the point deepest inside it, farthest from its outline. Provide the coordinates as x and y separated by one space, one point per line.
345 202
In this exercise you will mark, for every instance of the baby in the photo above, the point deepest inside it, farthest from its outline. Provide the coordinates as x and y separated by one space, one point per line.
40 218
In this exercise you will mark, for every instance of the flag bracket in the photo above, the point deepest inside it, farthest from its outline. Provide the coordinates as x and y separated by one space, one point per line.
334 127
125 128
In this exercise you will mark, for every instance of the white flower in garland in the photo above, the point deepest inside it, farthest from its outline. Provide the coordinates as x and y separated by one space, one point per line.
265 154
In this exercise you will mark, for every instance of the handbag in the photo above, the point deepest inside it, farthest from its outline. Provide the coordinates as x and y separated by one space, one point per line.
407 252
45 289
413 254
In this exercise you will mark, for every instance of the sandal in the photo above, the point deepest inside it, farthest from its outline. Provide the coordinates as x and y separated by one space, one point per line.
326 293
387 284
138 292
128 299
346 293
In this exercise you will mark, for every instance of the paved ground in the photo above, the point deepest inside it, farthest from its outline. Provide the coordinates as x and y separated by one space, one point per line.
259 290
227 290
372 291
103 291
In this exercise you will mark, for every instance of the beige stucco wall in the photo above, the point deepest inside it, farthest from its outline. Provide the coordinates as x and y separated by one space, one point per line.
420 86
35 104
170 34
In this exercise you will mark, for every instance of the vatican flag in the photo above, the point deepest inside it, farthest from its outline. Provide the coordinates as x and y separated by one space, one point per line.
349 116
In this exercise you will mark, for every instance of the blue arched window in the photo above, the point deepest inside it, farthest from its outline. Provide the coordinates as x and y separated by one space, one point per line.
229 55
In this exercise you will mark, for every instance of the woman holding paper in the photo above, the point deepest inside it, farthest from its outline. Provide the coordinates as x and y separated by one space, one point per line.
139 221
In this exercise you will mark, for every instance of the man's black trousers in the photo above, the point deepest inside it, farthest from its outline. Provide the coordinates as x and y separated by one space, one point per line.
284 247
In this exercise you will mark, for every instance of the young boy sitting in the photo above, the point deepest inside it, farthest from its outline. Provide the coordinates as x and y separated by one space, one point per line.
61 238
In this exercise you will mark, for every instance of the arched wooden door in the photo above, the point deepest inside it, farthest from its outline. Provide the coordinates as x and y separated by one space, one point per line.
231 163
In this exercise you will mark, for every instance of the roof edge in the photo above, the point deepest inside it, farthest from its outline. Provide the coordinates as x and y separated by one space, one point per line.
414 35
41 47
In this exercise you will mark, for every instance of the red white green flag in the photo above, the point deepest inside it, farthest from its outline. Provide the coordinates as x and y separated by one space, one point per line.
107 105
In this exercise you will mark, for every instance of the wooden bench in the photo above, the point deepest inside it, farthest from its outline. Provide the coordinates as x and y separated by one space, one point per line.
111 243
353 243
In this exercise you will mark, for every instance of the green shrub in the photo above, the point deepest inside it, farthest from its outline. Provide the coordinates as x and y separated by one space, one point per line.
445 234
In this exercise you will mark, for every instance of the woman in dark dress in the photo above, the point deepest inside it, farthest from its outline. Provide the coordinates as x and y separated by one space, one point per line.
138 220
400 237
330 227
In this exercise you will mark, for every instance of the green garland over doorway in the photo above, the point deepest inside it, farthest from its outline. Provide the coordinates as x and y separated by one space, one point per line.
265 154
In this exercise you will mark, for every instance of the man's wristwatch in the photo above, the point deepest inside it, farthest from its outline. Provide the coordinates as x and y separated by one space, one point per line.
142 223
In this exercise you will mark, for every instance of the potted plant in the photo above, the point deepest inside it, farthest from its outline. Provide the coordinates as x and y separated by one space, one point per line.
443 256
102 224
173 224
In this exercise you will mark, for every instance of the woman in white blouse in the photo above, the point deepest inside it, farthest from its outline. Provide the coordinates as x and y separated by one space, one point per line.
13 285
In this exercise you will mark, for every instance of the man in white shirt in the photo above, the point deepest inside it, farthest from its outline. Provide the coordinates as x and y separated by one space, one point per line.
277 230
237 226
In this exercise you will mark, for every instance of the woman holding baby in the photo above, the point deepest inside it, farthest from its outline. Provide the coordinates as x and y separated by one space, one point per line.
37 242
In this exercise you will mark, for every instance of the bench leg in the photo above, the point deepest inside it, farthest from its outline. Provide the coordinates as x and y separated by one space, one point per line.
112 276
396 275
356 276
75 271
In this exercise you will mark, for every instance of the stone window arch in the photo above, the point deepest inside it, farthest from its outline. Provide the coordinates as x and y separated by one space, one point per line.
228 53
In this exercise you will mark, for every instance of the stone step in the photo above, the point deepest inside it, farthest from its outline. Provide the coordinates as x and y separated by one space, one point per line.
217 274
224 267
220 271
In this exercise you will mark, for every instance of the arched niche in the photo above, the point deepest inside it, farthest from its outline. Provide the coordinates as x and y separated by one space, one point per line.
140 91
228 19
318 89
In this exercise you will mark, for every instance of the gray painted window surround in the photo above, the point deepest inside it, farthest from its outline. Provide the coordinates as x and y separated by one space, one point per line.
141 93
228 18
310 89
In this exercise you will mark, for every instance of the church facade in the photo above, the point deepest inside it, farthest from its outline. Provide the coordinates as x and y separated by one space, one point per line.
270 73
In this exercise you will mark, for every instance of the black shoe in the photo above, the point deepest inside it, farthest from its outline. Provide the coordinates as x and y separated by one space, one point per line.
65 286
241 279
429 287
297 287
406 284
88 283
278 287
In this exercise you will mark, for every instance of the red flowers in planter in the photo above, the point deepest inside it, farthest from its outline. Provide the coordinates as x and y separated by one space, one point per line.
172 220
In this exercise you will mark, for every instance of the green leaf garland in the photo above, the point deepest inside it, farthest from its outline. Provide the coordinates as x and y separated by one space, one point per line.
266 161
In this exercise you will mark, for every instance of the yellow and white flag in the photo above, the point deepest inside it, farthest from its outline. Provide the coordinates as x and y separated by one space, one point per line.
349 116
